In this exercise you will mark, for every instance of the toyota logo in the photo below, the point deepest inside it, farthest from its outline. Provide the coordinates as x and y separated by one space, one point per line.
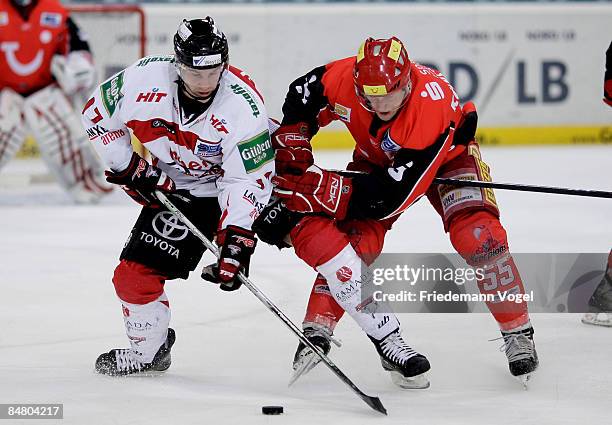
168 226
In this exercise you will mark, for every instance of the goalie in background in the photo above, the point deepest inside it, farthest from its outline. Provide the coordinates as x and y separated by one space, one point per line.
47 68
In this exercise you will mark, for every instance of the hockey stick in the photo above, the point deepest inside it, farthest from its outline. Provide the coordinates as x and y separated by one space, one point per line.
373 402
507 186
524 187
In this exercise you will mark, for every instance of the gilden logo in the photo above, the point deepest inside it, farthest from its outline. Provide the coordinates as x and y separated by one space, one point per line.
344 274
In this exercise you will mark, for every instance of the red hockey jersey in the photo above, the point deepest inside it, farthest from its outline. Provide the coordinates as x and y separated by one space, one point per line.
26 47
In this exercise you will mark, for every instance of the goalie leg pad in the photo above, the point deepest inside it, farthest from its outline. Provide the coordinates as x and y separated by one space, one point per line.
481 240
159 240
12 134
64 145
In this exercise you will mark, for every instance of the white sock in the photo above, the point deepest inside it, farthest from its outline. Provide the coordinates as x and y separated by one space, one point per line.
146 326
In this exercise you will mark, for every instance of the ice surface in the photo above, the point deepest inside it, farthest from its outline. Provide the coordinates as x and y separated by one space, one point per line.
58 311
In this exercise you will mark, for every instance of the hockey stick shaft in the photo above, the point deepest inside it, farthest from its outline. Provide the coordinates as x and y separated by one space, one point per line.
525 187
373 402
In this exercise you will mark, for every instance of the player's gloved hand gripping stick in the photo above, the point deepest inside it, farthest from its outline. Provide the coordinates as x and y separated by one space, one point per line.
140 179
373 402
237 246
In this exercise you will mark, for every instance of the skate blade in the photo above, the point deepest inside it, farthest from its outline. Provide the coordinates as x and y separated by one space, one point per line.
598 319
524 379
303 368
418 382
145 373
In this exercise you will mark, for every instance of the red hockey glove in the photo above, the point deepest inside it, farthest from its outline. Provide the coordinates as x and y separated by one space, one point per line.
237 246
316 191
293 151
608 92
140 179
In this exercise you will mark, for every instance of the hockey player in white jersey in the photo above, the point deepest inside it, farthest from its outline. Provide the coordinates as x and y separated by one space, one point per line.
206 127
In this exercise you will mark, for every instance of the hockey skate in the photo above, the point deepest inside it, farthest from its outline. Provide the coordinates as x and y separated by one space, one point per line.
305 359
521 352
121 361
406 366
598 319
600 304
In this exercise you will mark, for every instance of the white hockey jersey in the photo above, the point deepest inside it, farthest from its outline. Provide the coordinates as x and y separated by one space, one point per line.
225 152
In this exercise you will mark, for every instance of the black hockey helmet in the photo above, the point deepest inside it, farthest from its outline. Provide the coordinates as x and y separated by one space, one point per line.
200 44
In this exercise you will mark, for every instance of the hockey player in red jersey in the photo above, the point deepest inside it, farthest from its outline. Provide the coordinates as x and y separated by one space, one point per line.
600 303
46 68
206 126
608 77
408 127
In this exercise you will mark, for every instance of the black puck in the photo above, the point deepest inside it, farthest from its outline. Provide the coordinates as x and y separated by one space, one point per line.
272 410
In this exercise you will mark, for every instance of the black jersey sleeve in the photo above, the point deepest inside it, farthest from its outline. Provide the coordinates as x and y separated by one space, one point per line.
305 98
77 40
388 191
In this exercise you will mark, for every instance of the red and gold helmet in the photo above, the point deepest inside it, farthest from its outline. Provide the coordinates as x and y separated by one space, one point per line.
382 66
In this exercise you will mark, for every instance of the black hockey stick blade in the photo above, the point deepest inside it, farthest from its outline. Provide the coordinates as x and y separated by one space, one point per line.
373 402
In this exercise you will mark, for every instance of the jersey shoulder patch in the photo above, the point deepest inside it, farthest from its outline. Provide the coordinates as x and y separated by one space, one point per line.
111 92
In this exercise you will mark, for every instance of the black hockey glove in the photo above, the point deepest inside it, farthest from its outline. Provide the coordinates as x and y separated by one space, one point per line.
237 246
140 179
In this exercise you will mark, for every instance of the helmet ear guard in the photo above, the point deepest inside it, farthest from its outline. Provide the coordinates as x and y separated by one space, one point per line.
381 67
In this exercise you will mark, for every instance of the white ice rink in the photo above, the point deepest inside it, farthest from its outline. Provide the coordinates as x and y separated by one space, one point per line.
58 312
